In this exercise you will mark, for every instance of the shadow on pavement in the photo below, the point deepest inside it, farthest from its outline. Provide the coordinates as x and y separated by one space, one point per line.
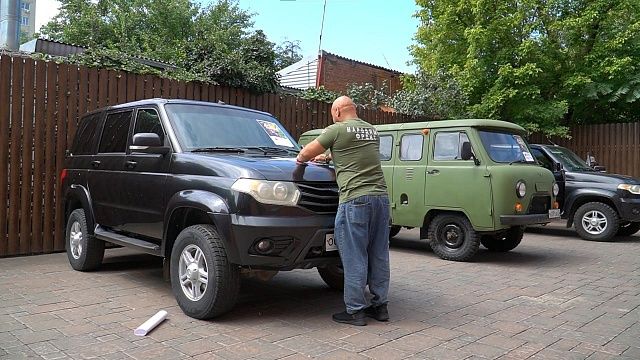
571 233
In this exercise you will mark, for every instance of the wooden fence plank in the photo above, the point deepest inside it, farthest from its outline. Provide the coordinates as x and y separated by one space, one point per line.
157 87
83 90
148 87
103 88
93 79
27 163
14 155
39 152
112 87
52 73
5 91
72 105
61 136
131 87
139 87
122 87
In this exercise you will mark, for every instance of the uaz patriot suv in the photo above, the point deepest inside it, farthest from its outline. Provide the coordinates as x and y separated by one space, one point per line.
212 188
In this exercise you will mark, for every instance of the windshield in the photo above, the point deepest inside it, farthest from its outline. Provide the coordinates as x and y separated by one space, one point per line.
201 127
569 160
506 147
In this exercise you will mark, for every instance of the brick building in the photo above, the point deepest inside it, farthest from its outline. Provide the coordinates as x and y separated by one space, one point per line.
336 72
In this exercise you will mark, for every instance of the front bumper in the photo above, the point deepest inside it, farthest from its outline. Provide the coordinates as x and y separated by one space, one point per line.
629 209
300 240
519 220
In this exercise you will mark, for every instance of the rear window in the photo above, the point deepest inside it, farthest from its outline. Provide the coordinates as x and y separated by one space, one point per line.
85 135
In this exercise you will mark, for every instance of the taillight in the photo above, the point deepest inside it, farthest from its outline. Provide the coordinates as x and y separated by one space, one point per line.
63 175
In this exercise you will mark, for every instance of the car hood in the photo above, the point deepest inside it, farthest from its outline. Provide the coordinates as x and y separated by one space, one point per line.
598 177
275 168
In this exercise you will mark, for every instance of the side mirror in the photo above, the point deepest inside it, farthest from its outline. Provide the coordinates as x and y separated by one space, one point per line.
558 167
600 168
148 143
467 154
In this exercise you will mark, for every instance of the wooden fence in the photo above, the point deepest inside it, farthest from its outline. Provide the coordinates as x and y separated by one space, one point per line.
616 146
40 104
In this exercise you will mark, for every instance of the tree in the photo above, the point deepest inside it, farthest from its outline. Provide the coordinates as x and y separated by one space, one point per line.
287 53
434 96
539 63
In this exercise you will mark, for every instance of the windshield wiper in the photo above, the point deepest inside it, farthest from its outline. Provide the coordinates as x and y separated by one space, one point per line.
271 149
219 149
521 161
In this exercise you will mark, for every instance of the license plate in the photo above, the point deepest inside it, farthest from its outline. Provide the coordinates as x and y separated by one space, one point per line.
330 243
554 213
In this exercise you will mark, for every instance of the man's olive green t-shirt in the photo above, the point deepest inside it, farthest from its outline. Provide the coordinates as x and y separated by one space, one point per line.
355 148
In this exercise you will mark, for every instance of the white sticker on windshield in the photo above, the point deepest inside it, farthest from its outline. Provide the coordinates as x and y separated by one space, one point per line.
527 156
275 133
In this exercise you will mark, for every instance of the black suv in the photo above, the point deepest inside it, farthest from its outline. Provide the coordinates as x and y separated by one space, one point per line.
599 205
212 188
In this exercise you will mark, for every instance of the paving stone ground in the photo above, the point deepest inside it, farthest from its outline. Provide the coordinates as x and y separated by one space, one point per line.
554 297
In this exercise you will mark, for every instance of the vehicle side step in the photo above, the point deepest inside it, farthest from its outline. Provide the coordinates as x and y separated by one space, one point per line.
141 245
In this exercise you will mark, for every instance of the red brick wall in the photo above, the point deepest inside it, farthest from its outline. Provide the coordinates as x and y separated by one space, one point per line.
336 73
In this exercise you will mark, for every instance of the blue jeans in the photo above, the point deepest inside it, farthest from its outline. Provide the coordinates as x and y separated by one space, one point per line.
362 236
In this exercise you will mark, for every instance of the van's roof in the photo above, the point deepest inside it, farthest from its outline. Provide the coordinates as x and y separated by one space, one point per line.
480 123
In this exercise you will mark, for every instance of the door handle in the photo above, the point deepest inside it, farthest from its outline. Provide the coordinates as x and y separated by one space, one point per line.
131 164
95 164
433 172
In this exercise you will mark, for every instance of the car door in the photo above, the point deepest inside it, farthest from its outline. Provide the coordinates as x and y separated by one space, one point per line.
146 177
387 158
456 183
550 164
107 180
408 186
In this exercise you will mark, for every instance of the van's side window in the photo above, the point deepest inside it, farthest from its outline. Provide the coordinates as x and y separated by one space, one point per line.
115 133
86 132
148 121
386 147
448 145
411 147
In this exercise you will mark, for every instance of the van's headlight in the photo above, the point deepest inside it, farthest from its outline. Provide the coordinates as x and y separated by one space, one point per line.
269 192
521 189
634 189
556 189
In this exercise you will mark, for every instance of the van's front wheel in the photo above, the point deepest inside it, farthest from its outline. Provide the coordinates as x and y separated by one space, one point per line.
452 237
504 242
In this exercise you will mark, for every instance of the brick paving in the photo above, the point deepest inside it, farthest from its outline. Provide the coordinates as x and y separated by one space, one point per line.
554 297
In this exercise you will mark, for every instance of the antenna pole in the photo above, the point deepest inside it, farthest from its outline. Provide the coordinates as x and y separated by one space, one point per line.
324 10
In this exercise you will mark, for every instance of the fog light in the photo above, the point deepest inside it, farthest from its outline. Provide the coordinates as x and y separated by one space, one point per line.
519 207
264 246
556 205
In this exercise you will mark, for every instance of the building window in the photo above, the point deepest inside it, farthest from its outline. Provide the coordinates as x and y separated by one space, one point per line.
25 21
25 6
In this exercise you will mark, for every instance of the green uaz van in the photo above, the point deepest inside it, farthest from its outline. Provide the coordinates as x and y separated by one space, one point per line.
463 183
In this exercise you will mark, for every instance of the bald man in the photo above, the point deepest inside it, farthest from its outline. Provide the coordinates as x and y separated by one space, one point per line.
362 221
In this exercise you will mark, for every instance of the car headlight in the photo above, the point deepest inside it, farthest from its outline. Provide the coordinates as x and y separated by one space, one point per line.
634 189
269 192
556 189
521 189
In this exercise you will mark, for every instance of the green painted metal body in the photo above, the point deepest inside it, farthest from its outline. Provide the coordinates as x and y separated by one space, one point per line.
483 192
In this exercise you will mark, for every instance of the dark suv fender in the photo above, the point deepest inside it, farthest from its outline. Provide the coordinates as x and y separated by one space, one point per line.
206 202
582 196
77 197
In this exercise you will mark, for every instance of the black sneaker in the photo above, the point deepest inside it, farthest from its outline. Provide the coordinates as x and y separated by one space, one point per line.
379 312
356 319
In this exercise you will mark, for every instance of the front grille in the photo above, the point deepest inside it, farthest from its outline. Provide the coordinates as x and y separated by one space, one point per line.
319 197
540 205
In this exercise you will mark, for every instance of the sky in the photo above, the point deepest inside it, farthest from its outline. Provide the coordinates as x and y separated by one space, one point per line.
373 31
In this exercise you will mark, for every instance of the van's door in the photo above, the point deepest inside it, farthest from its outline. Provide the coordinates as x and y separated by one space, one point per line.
387 157
407 191
455 183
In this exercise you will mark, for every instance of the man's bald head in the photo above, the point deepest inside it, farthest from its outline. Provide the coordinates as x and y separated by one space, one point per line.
343 108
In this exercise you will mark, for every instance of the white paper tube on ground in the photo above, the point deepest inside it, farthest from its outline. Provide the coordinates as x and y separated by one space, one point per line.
148 325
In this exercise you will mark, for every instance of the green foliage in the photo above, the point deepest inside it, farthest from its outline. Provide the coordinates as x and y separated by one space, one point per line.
319 94
214 44
436 95
368 95
540 63
287 53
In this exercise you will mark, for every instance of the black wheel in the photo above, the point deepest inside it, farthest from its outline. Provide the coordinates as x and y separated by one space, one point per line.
596 221
204 283
333 275
452 237
394 230
84 251
503 242
628 228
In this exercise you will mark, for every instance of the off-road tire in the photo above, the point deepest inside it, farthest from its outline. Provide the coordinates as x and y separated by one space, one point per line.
223 285
332 275
464 248
628 229
613 221
394 230
503 242
91 249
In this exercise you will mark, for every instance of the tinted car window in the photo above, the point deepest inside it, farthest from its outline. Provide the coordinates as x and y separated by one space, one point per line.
115 133
411 147
543 159
148 121
85 136
386 146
